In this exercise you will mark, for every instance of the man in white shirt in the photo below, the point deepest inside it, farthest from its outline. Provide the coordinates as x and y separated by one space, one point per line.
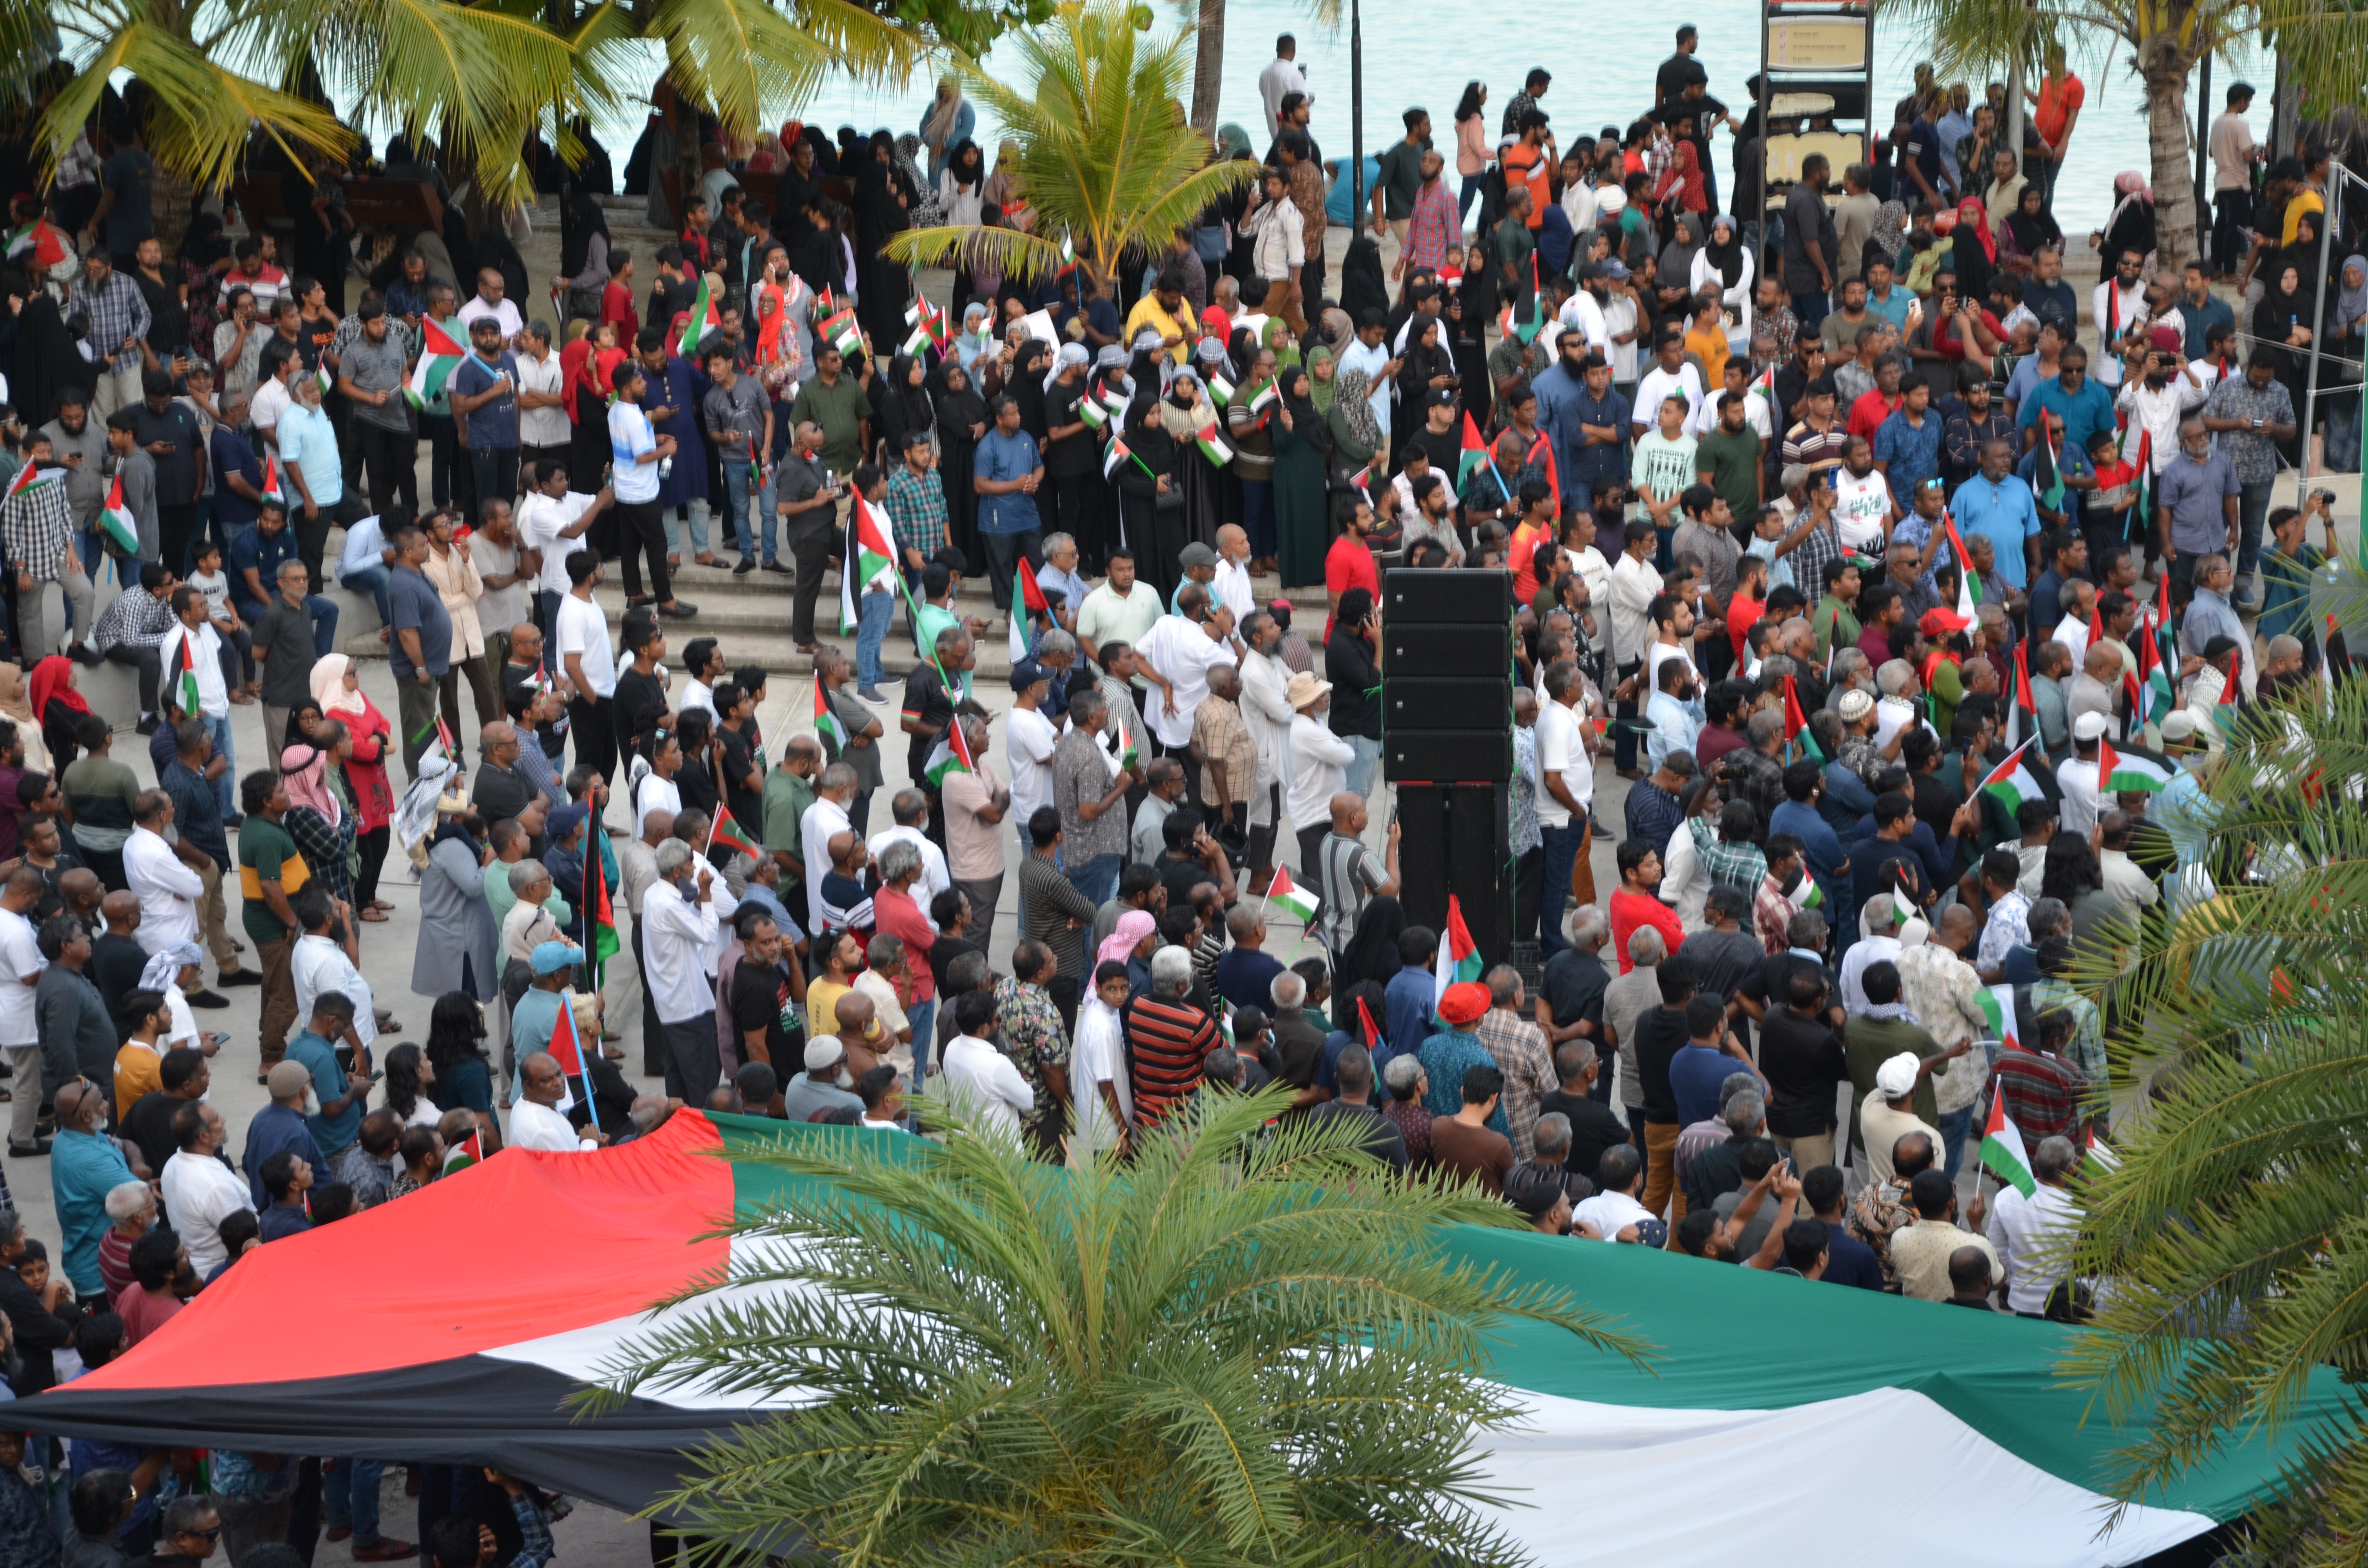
2157 401
1318 762
1279 78
979 1078
201 1191
273 397
579 645
2032 1235
910 809
1670 376
1880 945
552 521
1265 702
1614 1214
323 959
21 964
1029 740
1584 314
544 432
1120 611
536 1121
1565 791
824 820
2077 775
1231 586
168 889
678 927
1862 505
488 301
2113 306
1176 656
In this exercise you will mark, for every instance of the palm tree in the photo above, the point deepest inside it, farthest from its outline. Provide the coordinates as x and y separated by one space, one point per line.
1237 1348
2230 1237
2324 49
1106 156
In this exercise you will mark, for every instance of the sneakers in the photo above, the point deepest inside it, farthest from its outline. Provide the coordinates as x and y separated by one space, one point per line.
870 694
2247 599
777 567
147 725
747 564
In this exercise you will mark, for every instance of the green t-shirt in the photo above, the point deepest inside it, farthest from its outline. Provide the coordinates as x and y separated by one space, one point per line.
1732 464
1401 178
267 853
1513 242
787 796
837 409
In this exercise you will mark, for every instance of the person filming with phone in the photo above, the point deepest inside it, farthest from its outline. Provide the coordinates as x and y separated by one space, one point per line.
807 500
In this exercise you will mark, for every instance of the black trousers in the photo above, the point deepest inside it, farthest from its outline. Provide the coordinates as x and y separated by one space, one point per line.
313 533
640 532
392 460
150 665
810 554
694 1062
496 470
174 526
1002 550
1083 506
594 724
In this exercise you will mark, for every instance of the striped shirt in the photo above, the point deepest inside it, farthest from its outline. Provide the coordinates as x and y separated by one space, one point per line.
1166 1043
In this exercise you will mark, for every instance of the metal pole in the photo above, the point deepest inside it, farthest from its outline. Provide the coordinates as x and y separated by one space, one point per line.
1356 118
2318 329
1765 100
2203 135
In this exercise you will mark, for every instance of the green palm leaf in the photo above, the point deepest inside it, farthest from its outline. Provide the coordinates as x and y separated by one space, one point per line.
1243 1348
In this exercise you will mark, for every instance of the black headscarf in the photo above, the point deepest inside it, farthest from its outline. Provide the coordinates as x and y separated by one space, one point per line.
958 408
877 215
1026 384
1305 423
904 408
47 362
1363 287
1728 258
2033 230
1372 950
1422 363
825 149
1241 353
204 244
968 164
580 218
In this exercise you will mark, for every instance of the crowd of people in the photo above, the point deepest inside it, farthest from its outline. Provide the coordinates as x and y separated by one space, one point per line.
1910 638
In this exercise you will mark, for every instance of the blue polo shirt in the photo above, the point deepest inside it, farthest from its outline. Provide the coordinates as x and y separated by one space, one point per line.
2199 319
2005 514
2084 413
413 603
253 547
1004 458
1895 308
320 1058
307 437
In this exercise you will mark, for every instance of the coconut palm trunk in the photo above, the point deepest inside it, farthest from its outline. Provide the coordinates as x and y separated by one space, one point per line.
1208 65
2165 65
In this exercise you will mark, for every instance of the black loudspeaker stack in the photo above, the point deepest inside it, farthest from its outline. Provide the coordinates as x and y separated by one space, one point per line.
1447 743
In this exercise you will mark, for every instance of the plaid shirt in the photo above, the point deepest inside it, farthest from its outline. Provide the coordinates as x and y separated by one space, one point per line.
1738 865
916 506
1809 558
1519 1048
1433 225
2085 1051
117 310
1772 914
138 620
35 525
2041 1098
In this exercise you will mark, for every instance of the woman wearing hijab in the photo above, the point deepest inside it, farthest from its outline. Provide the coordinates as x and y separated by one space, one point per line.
2283 322
48 361
1303 459
1251 432
1150 491
1674 267
1277 338
459 944
1363 287
960 182
1352 662
16 707
2340 373
583 251
317 820
1682 188
1322 369
901 404
947 125
1725 264
1357 439
1184 413
2130 226
961 419
883 210
61 708
1973 250
1426 368
1030 366
1338 330
2028 228
336 686
1371 954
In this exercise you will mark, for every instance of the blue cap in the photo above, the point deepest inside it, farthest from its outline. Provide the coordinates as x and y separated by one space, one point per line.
566 821
1027 673
549 958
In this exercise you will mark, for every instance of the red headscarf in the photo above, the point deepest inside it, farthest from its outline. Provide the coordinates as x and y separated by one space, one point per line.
50 680
1972 215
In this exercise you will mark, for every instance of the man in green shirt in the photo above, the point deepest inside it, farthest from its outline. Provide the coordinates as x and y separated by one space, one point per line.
1727 457
789 790
100 789
1837 618
270 873
1511 246
1401 178
834 401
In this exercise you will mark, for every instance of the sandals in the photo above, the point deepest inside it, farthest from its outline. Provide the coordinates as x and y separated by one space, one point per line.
374 915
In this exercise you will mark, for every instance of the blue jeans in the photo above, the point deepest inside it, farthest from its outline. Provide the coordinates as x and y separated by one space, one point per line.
873 612
1811 309
735 503
767 521
2343 437
923 1016
1365 769
2252 511
1097 879
224 749
1258 517
372 580
698 528
1561 845
1954 1127
349 1496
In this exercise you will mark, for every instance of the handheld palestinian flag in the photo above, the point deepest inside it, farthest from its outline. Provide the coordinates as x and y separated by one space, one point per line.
1472 453
1373 1030
1969 585
1068 251
1903 907
1118 750
1459 960
1091 414
271 490
1797 733
1027 600
1121 452
2013 781
950 756
32 477
2224 712
2002 1150
1291 899
825 722
2132 769
1112 397
868 552
1212 446
1997 1002
2047 476
184 689
599 914
725 833
1764 384
1804 893
468 1152
2154 695
1265 397
2023 716
1222 388
704 320
116 520
1542 450
930 327
566 1048
2140 514
439 356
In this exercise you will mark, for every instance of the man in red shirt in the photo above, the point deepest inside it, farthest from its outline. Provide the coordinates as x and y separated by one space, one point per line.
1350 563
1637 904
2056 109
617 299
1867 414
894 913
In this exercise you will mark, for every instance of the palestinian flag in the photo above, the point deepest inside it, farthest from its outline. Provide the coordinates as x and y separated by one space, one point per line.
1804 893
31 477
566 1048
1027 600
438 358
2012 782
184 689
1212 446
115 519
2002 1148
1113 398
271 490
1459 960
1998 1009
703 319
2155 698
2047 475
468 1152
825 722
725 833
868 552
2140 515
1293 899
1969 586
930 327
952 755
1542 450
1118 752
1220 388
1264 398
599 914
1527 331
2224 712
1091 414
1120 452
1764 383
1797 733
2132 769
2025 709
1373 1030
1472 453
502 1347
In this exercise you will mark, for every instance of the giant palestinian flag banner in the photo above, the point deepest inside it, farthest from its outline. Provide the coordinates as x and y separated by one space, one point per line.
477 1366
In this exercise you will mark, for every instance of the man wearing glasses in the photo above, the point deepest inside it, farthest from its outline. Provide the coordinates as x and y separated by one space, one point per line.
191 1528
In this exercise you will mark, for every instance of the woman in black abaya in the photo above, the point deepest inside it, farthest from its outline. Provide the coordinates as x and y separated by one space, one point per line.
961 419
882 206
1149 498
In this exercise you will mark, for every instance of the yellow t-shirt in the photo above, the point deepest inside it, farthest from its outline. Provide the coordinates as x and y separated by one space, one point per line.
138 1069
822 1006
1147 312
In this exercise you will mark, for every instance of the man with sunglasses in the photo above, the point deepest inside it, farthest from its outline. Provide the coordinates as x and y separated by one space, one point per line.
191 1529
